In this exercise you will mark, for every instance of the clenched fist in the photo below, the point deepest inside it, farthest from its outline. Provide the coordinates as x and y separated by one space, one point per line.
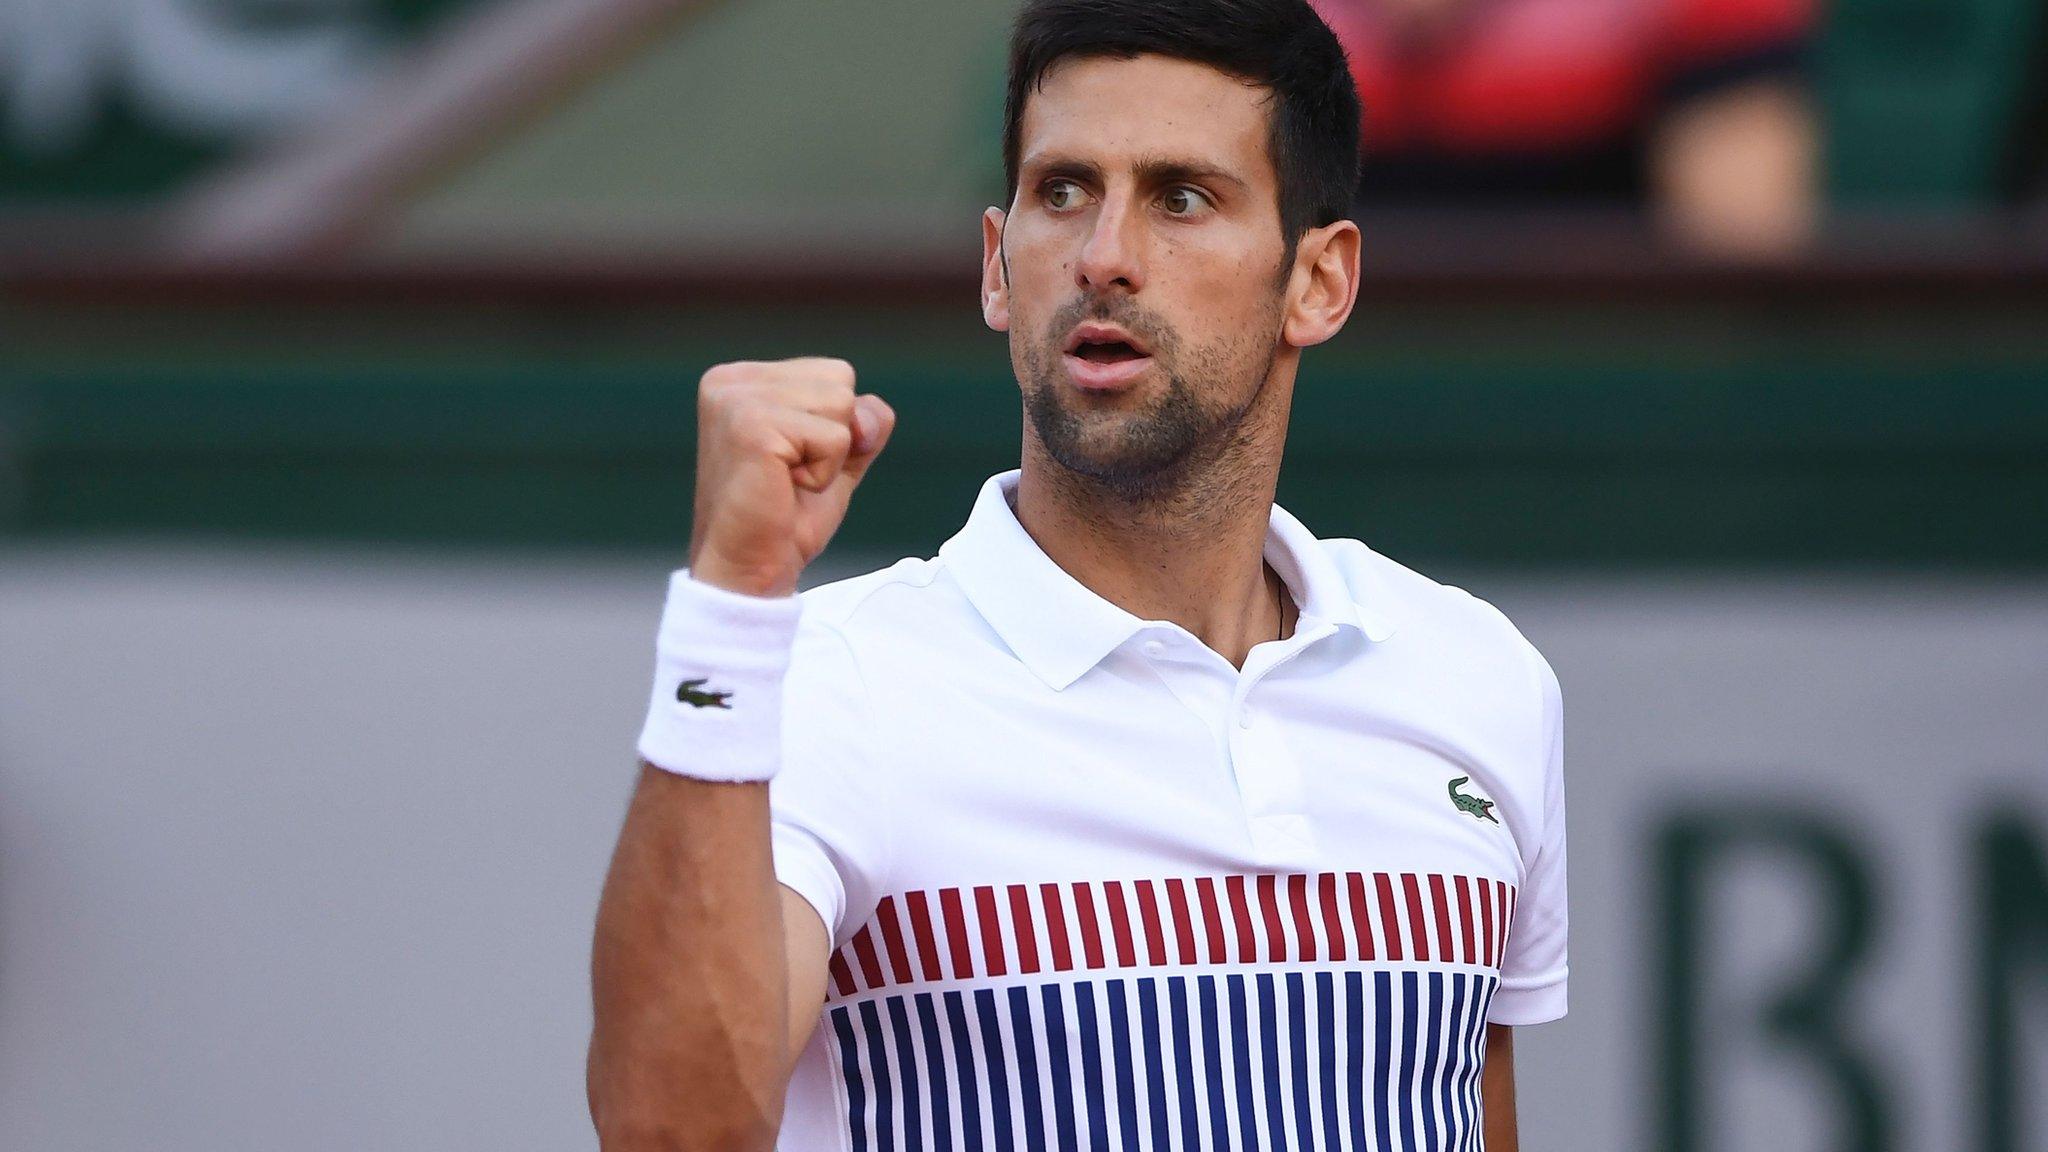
780 447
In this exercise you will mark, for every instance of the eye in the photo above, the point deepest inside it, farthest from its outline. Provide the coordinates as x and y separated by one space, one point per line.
1062 194
1185 201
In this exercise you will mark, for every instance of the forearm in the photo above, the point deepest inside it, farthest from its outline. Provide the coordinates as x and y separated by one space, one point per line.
689 1047
1497 1090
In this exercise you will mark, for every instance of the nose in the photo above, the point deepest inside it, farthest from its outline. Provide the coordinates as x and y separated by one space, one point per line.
1111 256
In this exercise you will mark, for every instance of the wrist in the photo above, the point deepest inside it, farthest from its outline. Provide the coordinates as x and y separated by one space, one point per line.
709 567
715 711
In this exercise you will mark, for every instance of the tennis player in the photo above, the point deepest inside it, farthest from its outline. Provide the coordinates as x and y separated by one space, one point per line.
1139 817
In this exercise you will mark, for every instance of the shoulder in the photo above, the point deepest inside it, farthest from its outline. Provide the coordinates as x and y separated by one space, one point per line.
877 599
899 608
1444 617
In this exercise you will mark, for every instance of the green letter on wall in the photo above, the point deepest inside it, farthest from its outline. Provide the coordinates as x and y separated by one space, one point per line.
1804 1015
2012 942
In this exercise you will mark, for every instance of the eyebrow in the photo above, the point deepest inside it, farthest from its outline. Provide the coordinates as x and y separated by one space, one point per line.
1150 170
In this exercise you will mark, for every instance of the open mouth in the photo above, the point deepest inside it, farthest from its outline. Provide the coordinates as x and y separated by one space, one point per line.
1107 352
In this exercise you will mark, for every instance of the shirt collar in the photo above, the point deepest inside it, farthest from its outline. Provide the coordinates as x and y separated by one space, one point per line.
1060 629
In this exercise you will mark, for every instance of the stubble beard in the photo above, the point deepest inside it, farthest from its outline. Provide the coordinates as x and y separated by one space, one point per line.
1178 448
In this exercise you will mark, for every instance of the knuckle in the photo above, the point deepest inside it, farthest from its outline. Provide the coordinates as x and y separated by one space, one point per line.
828 371
719 384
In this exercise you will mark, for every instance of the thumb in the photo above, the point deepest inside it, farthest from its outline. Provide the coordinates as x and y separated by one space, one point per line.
873 420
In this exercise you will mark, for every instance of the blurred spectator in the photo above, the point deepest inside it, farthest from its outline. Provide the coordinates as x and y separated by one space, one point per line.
1696 108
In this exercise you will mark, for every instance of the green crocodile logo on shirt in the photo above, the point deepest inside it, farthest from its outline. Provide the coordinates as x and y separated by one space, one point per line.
689 692
1480 809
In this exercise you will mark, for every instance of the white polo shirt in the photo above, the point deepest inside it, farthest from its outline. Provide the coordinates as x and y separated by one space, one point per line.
1090 886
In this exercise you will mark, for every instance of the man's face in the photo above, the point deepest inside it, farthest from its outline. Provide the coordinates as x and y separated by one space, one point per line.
1146 270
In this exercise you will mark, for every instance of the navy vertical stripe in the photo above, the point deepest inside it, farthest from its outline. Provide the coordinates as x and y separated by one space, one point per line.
964 1072
1477 1057
1212 1054
935 1071
1062 1086
1479 1040
1241 1037
849 1068
1120 1043
1155 1066
1297 1044
1354 1046
1424 1098
1410 992
1091 1066
997 1062
906 1068
1269 1028
1383 1054
1478 1062
1184 1061
1471 1045
1027 1070
1461 1027
1326 1054
878 1066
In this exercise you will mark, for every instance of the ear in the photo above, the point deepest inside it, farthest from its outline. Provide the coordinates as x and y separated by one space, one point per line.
1324 284
995 280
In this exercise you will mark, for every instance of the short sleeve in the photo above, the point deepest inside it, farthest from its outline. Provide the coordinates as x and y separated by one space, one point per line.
829 816
1533 970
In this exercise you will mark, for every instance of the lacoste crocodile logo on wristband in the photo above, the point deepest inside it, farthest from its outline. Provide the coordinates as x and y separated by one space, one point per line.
1478 808
690 692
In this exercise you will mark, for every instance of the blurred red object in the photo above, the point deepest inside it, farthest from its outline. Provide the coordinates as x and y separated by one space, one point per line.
1696 107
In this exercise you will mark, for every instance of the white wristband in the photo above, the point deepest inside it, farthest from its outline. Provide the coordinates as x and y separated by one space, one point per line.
716 709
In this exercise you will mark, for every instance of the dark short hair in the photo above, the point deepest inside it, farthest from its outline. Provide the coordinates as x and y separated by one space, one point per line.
1280 45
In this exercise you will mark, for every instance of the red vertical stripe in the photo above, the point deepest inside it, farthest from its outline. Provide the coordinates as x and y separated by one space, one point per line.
1240 914
1390 923
842 976
1486 920
1269 906
892 939
1155 936
1443 916
1418 927
1500 921
1304 930
1361 920
1022 929
1183 923
1056 927
1506 916
991 931
1212 919
1120 924
1509 897
1084 908
919 912
1333 924
1465 918
956 933
870 964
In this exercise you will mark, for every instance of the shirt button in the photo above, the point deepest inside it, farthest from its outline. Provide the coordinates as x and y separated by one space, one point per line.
1155 648
1245 716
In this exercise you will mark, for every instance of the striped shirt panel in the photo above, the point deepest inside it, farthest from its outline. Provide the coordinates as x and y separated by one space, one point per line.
1020 930
1333 1011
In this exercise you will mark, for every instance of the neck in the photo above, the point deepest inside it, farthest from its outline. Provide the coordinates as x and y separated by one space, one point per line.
1191 553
